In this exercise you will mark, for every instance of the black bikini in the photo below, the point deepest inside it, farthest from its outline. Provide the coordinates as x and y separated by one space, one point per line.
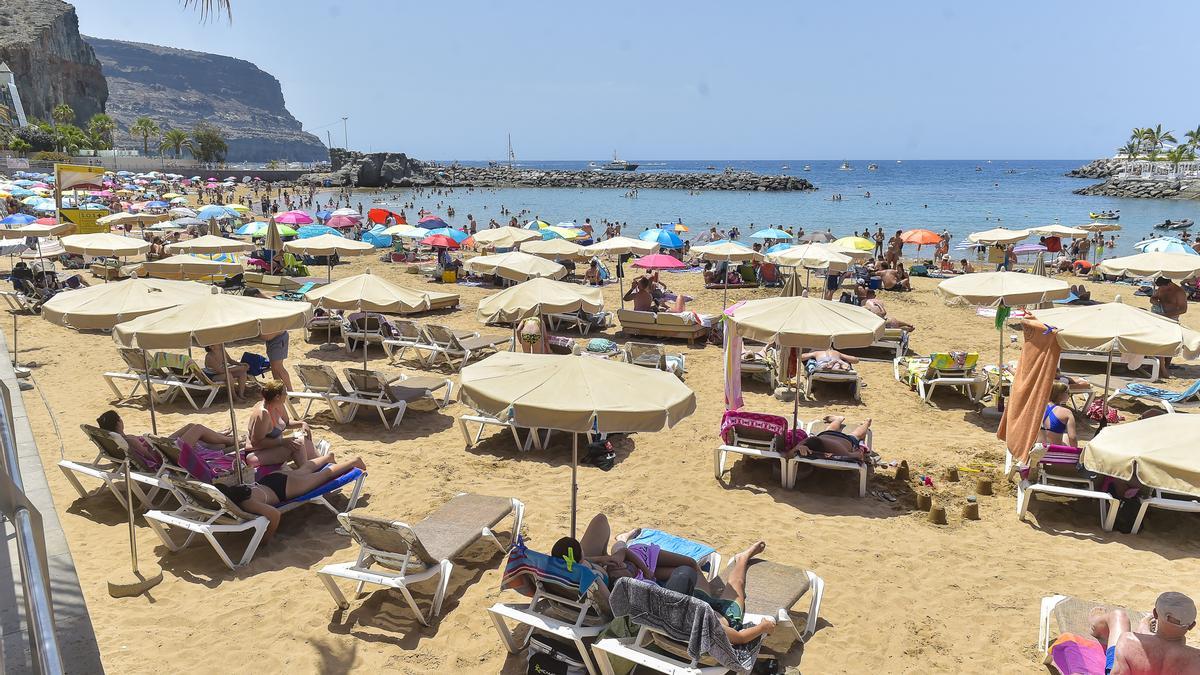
277 482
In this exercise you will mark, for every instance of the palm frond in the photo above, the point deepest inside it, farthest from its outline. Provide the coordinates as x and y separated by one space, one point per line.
211 9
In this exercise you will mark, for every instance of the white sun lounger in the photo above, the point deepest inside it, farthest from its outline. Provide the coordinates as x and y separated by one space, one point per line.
755 443
109 468
166 386
1060 480
816 427
1168 501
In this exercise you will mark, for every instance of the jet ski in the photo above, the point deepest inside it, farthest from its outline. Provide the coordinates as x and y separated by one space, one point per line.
1174 224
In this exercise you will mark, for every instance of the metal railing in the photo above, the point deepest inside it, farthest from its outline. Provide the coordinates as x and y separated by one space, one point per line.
31 549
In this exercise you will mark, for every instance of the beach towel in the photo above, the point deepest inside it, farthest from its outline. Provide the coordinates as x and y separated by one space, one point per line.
1073 654
684 619
773 425
1026 403
673 544
1144 390
525 569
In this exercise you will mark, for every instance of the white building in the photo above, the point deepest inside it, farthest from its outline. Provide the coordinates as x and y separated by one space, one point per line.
12 114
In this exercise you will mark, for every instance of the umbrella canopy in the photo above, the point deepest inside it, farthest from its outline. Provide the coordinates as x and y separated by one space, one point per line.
515 266
369 293
342 222
729 250
1057 230
294 218
1165 245
568 393
328 244
854 253
918 237
664 238
17 220
806 323
378 216
403 230
1117 327
345 211
1007 288
1100 227
211 319
182 212
560 232
621 246
1152 449
817 237
273 241
218 211
771 233
856 243
210 243
504 237
812 256
185 263
659 261
44 250
552 249
102 306
258 228
440 241
104 244
36 229
1176 266
997 235
431 223
457 235
536 297
309 231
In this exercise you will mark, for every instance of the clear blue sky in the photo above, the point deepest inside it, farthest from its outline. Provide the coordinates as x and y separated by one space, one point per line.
706 80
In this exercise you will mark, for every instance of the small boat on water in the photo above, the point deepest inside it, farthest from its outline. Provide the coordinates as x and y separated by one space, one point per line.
1106 215
846 167
807 167
785 167
1174 224
617 164
710 167
872 167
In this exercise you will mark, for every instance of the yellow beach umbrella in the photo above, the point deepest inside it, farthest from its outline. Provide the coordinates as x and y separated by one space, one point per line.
858 243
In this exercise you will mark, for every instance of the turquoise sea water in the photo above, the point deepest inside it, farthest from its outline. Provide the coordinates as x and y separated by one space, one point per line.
930 194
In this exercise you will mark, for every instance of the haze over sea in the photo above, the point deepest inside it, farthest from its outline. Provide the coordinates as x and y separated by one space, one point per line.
933 194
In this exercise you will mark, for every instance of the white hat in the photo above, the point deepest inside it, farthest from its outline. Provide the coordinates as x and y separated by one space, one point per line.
1175 608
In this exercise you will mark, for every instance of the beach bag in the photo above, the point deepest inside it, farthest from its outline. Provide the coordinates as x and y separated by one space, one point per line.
256 364
550 655
1096 412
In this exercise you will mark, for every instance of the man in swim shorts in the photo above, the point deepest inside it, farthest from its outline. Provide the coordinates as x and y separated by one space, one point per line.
1158 646
732 610
835 442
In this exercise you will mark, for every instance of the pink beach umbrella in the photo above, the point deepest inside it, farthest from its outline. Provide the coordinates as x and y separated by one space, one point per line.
293 218
342 222
659 261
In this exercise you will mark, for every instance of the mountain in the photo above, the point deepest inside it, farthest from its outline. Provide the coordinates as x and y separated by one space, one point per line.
40 42
178 88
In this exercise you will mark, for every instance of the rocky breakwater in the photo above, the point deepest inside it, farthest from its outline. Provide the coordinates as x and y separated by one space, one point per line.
1100 168
40 42
1133 186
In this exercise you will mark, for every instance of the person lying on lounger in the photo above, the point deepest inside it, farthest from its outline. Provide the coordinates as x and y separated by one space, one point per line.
266 442
827 359
189 433
1159 645
731 610
261 497
834 442
640 561
869 301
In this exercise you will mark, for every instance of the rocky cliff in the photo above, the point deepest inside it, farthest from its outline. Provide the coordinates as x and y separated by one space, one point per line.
178 88
40 42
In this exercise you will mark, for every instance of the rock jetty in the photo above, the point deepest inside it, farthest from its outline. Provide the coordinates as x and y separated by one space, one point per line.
1100 168
399 170
1134 187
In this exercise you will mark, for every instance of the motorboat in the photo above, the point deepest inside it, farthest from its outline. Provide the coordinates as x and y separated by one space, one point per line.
785 167
710 167
1174 224
846 167
1106 215
872 167
807 167
617 164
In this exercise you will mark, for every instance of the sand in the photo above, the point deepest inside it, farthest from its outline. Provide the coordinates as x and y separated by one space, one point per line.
902 595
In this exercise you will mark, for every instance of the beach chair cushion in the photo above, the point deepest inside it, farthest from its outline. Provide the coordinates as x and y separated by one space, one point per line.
953 360
1140 390
751 423
456 525
770 586
630 316
324 489
526 568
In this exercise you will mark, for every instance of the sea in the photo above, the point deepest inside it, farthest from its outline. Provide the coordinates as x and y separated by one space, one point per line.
961 196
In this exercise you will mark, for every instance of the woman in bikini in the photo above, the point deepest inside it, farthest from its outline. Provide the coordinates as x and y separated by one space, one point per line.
275 488
266 443
531 336
640 561
1058 421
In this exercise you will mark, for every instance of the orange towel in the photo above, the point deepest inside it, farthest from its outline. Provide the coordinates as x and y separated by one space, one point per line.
1030 390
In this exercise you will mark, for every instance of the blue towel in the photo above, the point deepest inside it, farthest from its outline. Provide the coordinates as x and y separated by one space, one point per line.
332 486
669 542
1145 390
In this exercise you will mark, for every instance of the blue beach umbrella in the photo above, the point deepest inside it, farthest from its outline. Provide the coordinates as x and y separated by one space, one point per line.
323 215
309 231
664 238
217 211
771 233
780 247
457 235
157 205
18 219
431 223
21 192
1164 245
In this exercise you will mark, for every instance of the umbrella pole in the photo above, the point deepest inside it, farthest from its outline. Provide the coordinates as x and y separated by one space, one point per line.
574 484
621 281
232 414
150 394
796 398
1000 391
1104 405
132 534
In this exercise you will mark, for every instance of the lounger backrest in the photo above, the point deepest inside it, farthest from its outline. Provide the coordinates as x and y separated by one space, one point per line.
954 362
111 447
407 329
368 382
365 323
668 319
391 542
440 335
751 429
568 594
320 378
136 360
205 497
646 354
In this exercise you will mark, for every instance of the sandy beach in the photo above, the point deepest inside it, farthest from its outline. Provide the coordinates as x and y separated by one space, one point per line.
902 595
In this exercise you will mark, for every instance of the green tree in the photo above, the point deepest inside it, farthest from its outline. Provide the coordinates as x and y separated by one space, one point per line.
1193 138
175 140
1180 153
63 113
208 143
70 138
1130 150
20 146
1156 136
144 127
100 127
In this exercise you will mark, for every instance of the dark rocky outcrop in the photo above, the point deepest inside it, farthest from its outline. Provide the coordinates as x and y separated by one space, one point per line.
376 169
40 42
178 88
1141 188
1100 168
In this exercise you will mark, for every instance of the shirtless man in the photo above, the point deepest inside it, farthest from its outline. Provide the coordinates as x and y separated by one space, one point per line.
1158 646
829 359
835 442
867 296
640 293
894 280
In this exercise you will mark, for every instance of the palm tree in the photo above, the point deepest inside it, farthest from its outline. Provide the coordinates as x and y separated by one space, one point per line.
20 146
70 138
1130 150
1193 138
63 113
144 127
101 127
212 8
1156 136
175 140
1152 155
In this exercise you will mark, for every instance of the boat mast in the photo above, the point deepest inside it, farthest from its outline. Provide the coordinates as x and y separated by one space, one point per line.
512 156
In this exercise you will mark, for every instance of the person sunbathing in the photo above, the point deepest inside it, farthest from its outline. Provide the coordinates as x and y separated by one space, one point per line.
266 443
216 360
827 359
1158 646
1058 421
731 610
872 303
834 442
271 490
640 561
191 434
895 279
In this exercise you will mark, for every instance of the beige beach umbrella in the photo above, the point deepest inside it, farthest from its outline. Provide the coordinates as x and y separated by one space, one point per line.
998 235
504 237
328 245
515 266
210 244
536 297
991 289
368 293
187 264
576 395
552 249
123 218
1154 450
398 228
104 244
273 241
103 306
727 252
617 247
849 251
1100 227
36 230
1057 230
1177 266
812 256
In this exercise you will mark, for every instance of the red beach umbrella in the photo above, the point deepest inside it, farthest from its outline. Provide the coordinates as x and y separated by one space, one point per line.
440 241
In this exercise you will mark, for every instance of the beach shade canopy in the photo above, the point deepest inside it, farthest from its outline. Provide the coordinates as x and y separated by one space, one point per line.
621 246
854 253
1152 449
440 241
1057 230
503 237
259 228
272 240
727 250
369 293
552 249
295 218
323 214
806 323
210 243
997 235
515 266
104 244
403 230
812 256
211 319
856 243
310 231
186 263
659 261
431 223
536 297
342 222
664 238
1002 288
918 237
103 306
218 211
328 244
17 219
182 212
771 233
1165 245
1100 227
345 211
457 235
35 229
560 232
1117 327
1177 266
380 216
